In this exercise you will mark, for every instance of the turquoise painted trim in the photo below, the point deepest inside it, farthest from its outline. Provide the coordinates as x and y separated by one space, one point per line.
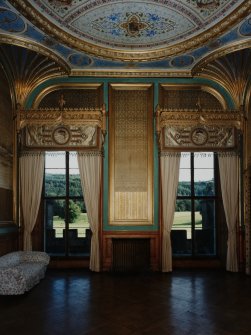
156 161
155 81
129 228
155 226
106 166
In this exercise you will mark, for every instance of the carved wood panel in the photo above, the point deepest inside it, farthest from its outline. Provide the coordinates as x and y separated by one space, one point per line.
130 156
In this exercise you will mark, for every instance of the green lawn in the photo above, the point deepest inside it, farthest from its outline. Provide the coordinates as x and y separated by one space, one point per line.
182 220
81 225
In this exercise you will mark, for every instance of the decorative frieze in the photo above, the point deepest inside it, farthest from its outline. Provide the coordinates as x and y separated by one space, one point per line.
58 136
189 138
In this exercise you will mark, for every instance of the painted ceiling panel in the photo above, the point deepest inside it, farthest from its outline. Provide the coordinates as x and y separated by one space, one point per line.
133 24
106 34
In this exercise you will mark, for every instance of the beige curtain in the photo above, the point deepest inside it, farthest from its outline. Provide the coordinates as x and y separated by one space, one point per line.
229 177
90 164
31 181
169 164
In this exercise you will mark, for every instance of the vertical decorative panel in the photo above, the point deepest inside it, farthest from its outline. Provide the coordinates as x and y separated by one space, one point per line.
130 155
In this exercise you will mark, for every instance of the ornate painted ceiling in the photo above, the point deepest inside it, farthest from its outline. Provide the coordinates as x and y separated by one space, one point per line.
161 37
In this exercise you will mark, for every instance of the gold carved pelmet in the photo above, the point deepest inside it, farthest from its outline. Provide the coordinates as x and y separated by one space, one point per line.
198 130
67 128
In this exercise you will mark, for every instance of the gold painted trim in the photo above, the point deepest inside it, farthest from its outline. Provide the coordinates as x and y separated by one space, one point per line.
131 87
190 117
34 46
123 223
55 116
132 73
205 88
133 55
216 94
177 87
64 86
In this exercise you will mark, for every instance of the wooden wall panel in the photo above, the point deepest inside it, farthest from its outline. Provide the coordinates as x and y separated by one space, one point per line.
107 247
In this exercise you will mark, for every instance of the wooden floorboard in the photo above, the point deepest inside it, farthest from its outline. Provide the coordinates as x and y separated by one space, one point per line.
76 302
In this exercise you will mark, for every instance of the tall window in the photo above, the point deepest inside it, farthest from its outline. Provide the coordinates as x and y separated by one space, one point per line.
67 230
194 228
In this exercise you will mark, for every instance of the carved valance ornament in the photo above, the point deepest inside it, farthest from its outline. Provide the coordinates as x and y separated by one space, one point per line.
198 130
52 128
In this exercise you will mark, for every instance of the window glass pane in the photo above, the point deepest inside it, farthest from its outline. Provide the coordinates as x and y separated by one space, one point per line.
79 235
204 174
55 160
184 186
185 160
182 228
55 226
75 188
204 182
73 161
204 160
55 178
204 235
55 183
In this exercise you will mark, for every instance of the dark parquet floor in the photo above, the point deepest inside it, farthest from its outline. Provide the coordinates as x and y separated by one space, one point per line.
77 302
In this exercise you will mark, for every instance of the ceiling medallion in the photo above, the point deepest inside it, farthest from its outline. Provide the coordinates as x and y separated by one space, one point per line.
133 25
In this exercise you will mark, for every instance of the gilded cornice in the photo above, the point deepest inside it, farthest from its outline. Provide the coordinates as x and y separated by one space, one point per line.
130 55
132 73
63 66
177 117
55 116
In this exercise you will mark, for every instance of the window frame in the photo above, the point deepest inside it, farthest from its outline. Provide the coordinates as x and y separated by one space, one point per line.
67 197
192 197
